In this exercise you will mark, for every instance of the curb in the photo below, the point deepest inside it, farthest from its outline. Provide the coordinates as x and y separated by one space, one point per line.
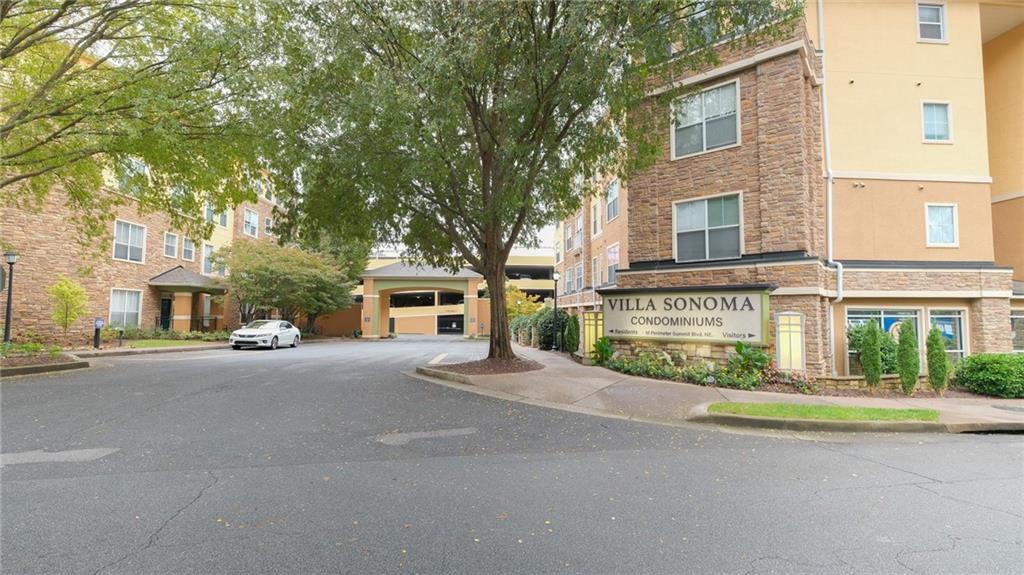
182 348
823 424
445 375
44 368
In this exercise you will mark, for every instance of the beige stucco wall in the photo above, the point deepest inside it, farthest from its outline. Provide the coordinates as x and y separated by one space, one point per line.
886 220
879 74
1008 233
1004 100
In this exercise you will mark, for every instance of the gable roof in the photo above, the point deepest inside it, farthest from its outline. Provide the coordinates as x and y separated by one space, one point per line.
402 270
185 280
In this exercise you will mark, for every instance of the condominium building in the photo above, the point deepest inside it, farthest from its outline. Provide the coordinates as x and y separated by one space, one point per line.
867 167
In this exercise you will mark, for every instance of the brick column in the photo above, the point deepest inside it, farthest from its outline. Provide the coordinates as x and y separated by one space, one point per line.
990 325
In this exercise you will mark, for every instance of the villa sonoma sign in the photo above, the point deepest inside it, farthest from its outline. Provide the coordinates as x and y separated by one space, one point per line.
724 316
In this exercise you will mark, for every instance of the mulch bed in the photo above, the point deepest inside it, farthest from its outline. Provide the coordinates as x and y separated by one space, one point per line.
37 359
919 392
491 366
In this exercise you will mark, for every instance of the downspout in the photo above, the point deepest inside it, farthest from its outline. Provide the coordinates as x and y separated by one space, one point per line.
828 189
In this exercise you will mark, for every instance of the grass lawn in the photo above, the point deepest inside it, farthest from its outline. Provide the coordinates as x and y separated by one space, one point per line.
146 343
834 412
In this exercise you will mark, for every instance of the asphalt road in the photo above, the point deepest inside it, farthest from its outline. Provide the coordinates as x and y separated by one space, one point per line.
329 459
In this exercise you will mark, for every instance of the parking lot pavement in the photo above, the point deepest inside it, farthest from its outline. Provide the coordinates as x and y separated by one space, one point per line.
326 459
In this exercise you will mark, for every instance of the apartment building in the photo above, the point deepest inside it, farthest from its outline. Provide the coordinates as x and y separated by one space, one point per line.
144 273
869 169
591 245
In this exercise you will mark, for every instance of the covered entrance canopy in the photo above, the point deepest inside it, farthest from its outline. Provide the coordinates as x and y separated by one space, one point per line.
381 283
184 305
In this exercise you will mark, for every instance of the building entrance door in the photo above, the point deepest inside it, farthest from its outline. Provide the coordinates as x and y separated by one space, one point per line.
165 313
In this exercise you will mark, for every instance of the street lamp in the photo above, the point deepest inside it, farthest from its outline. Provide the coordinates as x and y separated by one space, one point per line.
11 257
554 341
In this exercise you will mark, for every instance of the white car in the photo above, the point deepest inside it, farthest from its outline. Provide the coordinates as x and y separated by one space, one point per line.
265 333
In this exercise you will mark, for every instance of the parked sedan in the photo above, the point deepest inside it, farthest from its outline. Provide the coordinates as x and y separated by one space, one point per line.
265 333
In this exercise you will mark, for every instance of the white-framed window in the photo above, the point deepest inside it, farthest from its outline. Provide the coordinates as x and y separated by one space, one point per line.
268 226
188 249
612 200
133 173
208 259
612 259
789 341
941 220
558 251
170 245
578 240
129 242
569 279
595 218
579 276
708 228
125 307
1017 330
568 238
935 123
251 223
888 319
595 270
215 217
951 325
706 121
931 22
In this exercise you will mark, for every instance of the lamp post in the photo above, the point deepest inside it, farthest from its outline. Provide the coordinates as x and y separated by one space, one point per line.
554 340
11 257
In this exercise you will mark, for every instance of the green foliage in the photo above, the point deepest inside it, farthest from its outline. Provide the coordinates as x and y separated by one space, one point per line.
69 302
99 89
12 349
748 358
801 381
266 276
111 334
870 353
519 303
994 374
603 351
544 321
457 129
908 358
571 334
886 343
938 361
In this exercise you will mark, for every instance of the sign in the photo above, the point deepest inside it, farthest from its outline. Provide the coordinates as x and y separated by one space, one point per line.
716 316
98 323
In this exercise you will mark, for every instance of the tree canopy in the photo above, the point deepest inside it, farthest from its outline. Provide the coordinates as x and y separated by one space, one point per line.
459 129
145 96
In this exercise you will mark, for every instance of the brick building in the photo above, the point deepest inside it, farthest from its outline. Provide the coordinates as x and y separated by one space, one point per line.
819 218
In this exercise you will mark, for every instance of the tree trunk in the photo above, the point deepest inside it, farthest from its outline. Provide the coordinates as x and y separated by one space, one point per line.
501 339
311 322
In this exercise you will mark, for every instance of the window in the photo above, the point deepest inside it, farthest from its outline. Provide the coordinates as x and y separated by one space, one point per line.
188 249
219 218
170 245
579 276
129 242
595 267
250 223
790 341
936 122
568 238
705 121
1017 330
578 241
595 218
612 258
708 229
942 225
207 259
951 326
888 319
931 22
558 251
569 282
132 176
612 198
125 307
268 226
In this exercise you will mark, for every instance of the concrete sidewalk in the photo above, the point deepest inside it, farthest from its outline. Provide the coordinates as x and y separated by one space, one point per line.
566 384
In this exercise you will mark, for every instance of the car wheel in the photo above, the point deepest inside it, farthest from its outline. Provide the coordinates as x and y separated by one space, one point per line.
273 343
295 342
236 347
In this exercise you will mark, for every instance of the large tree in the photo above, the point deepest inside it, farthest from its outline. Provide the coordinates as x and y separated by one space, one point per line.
459 129
147 92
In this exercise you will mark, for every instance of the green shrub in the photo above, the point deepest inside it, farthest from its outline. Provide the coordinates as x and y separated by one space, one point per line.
870 353
909 359
603 351
69 303
800 381
748 359
938 361
54 351
543 320
887 344
571 334
994 374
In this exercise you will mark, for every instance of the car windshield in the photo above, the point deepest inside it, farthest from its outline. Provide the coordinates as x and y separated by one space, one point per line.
260 323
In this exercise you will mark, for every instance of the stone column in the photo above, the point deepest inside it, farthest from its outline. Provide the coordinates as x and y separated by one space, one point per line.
990 326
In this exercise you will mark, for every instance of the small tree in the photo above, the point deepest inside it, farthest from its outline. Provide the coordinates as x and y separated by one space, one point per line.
69 302
908 358
871 354
519 302
938 363
571 336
